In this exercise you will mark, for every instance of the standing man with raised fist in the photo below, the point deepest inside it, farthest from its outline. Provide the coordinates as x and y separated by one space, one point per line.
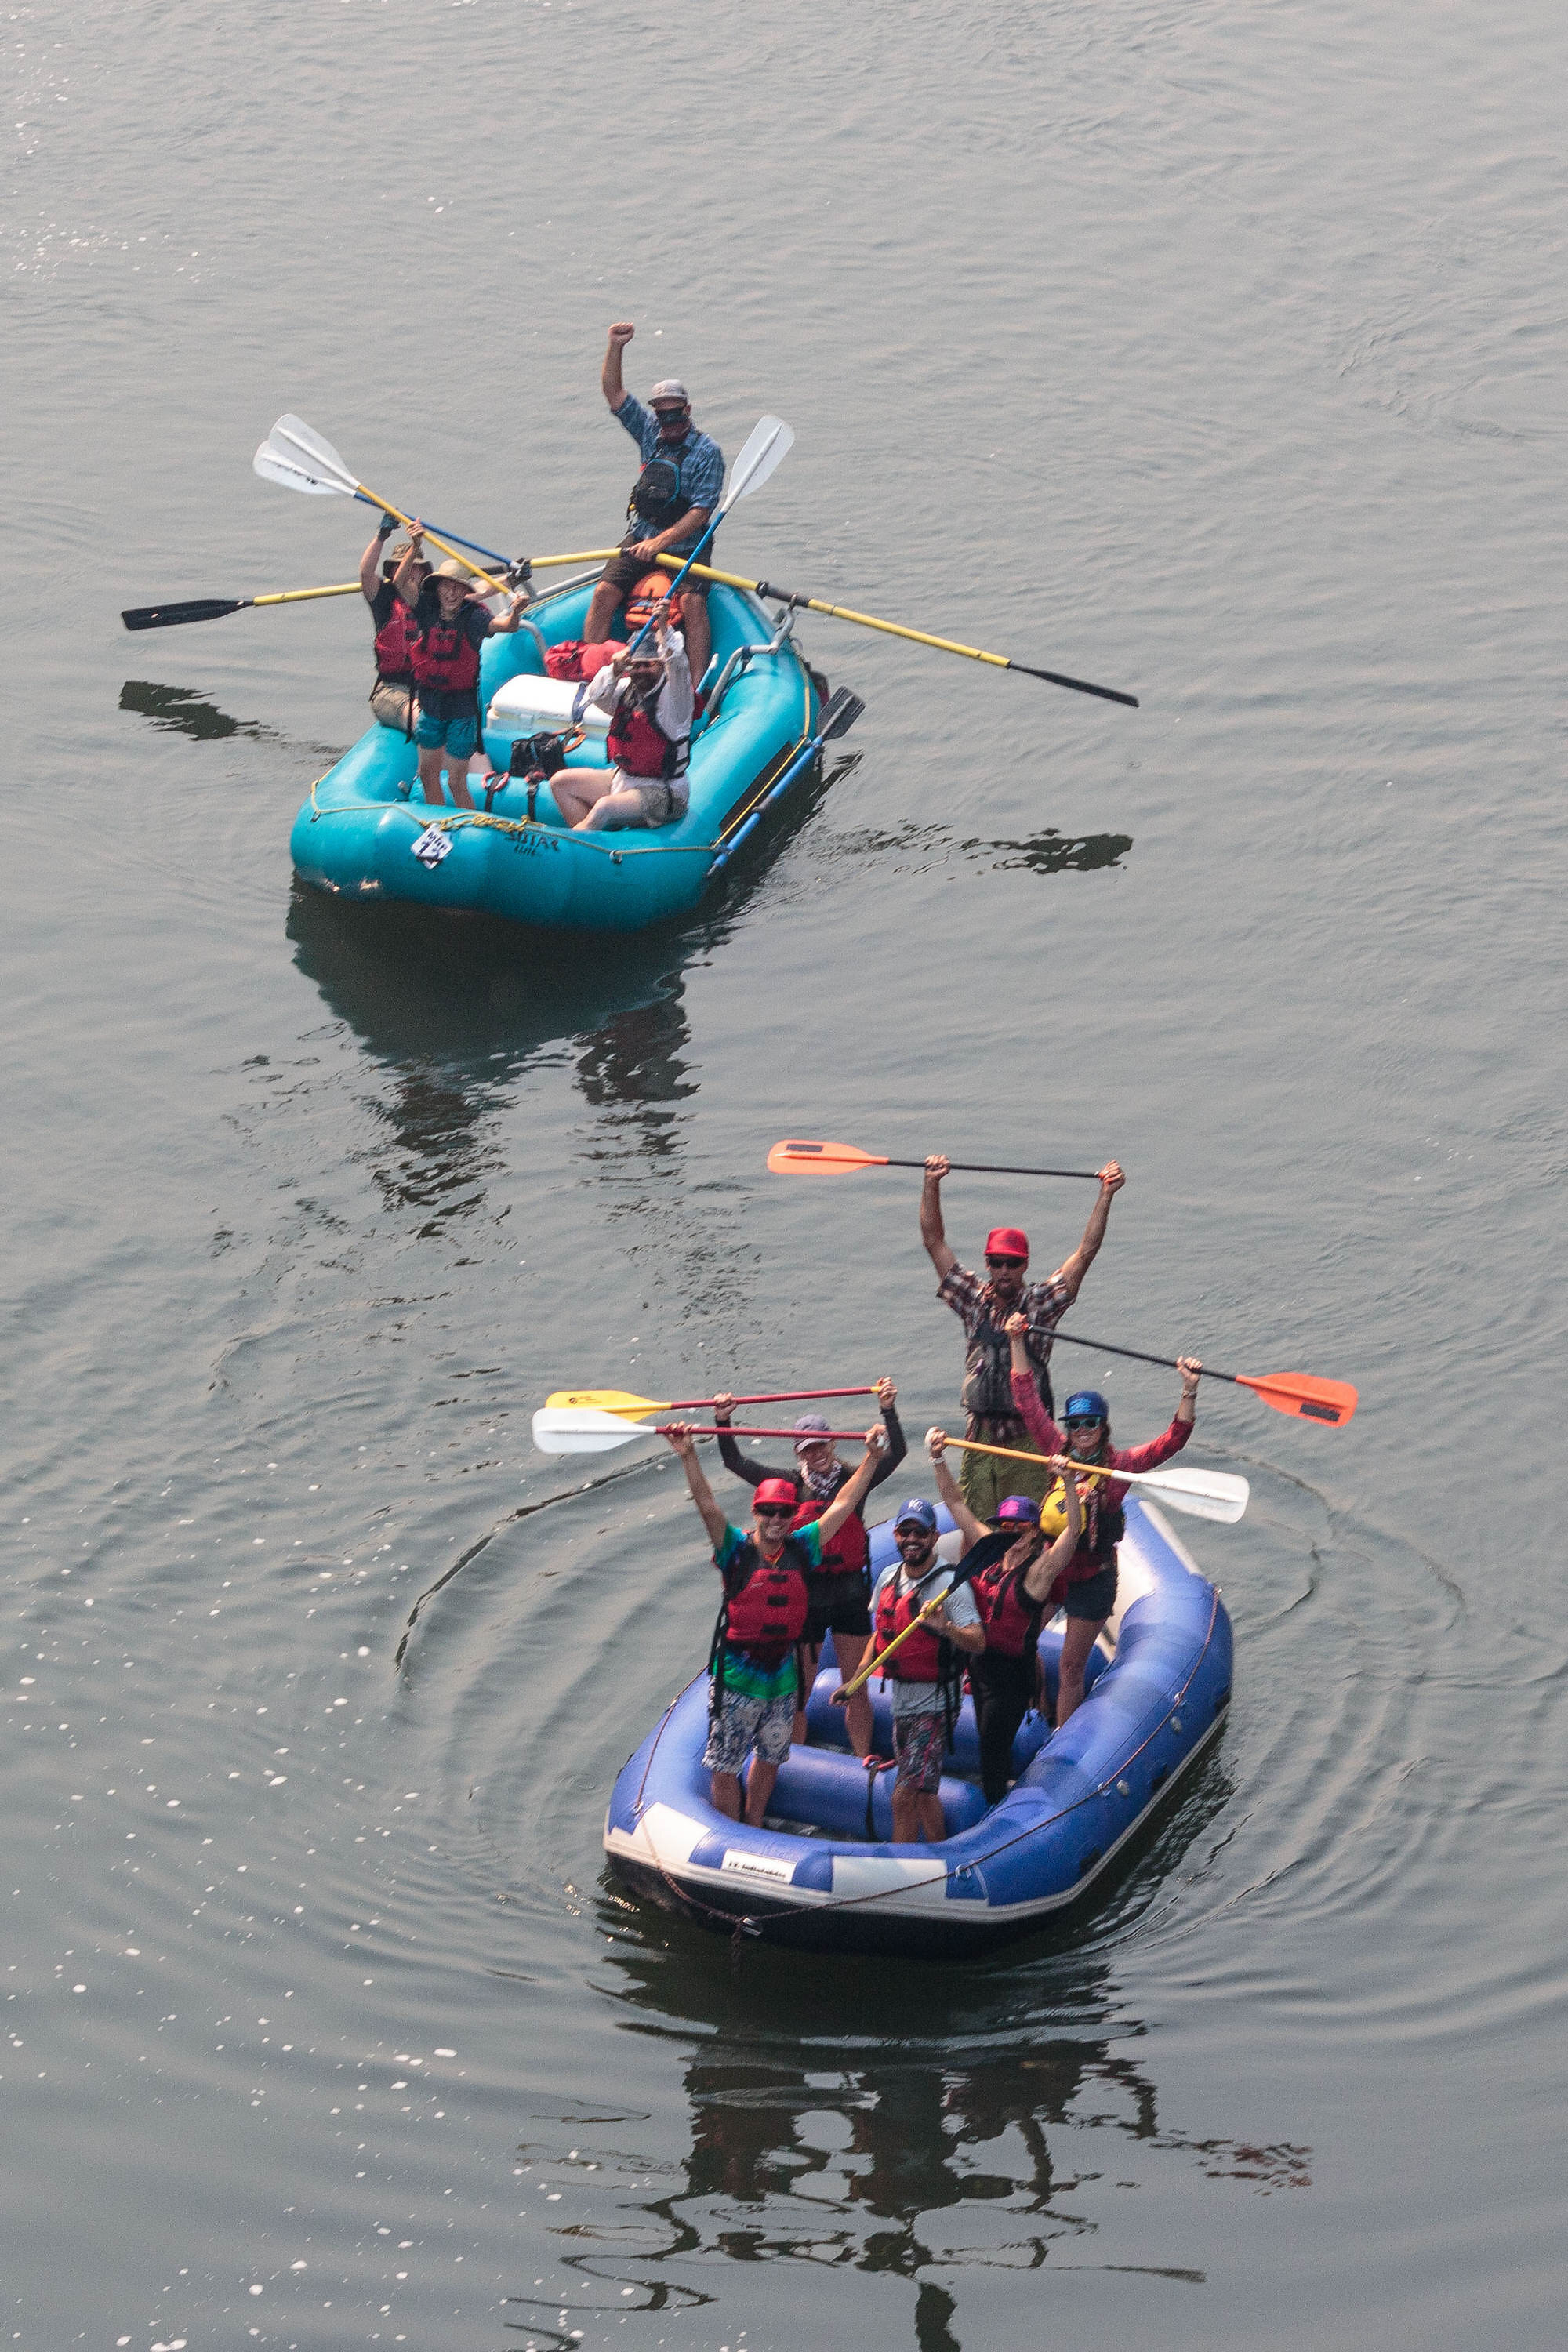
671 504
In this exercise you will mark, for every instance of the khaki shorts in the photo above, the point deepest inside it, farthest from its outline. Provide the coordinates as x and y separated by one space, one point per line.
983 1480
393 704
662 803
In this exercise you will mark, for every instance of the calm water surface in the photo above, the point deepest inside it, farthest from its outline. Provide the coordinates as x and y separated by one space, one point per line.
1218 353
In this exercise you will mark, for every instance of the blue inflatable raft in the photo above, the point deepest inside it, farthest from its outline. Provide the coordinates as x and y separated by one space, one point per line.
823 1874
360 836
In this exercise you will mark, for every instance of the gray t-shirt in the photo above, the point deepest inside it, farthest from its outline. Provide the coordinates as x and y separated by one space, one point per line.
925 1699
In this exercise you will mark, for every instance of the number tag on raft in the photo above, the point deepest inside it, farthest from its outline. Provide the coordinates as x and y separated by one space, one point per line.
432 845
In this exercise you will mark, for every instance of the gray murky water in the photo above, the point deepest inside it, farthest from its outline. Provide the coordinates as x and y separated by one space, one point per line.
1217 353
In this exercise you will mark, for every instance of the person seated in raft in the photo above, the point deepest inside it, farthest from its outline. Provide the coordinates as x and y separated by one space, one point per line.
672 501
924 1674
392 697
1088 1589
840 1589
983 1309
648 696
1011 1571
450 628
752 1661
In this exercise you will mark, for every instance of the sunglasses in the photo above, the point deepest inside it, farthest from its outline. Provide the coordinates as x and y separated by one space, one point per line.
671 416
775 1510
1085 1421
913 1535
1000 1262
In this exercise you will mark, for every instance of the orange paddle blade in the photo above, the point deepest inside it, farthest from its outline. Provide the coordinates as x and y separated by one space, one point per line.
1330 1401
795 1158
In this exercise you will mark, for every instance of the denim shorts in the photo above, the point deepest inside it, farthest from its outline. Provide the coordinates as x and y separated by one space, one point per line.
435 731
764 1724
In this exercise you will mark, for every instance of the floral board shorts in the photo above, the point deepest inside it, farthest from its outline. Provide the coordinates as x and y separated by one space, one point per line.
919 1743
764 1724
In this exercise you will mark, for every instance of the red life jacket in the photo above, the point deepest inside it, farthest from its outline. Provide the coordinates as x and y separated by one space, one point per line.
639 745
845 1554
919 1659
444 658
1011 1619
766 1607
394 642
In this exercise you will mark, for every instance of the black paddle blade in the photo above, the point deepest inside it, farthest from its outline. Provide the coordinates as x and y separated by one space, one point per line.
174 616
1077 685
843 709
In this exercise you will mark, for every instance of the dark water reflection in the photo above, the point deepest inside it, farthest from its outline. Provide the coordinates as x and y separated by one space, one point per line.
178 709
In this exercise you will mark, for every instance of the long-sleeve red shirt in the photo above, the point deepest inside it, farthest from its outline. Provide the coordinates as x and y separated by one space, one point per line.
1051 1440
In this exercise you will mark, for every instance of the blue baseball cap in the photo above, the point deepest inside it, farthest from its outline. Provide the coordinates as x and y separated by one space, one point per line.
917 1513
1020 1510
1085 1404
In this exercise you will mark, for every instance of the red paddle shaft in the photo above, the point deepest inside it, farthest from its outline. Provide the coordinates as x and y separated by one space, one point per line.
774 1396
815 1436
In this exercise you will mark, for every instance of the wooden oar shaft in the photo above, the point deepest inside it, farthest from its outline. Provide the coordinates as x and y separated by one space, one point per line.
303 595
1055 1462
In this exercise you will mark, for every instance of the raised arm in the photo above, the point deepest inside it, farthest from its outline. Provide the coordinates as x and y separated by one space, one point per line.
933 1233
853 1493
947 1487
610 383
898 1443
1071 1272
1026 1392
505 624
403 578
713 1519
370 562
1170 1440
730 1454
1044 1572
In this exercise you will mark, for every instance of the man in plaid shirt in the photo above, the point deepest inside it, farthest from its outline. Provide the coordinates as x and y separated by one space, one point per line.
983 1307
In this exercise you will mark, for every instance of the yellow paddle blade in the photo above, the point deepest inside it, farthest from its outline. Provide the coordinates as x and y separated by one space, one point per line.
631 1407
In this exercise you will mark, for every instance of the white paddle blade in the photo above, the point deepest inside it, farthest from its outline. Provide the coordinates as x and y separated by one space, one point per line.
768 446
292 438
581 1429
273 468
1202 1493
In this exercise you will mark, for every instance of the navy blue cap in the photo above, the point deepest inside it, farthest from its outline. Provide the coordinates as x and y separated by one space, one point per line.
916 1512
1085 1404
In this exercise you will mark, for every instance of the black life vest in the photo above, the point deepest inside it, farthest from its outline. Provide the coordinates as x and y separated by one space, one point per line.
395 642
987 1393
639 745
1011 1619
656 501
444 658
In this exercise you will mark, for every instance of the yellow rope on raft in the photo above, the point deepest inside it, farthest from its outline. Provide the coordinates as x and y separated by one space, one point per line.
454 819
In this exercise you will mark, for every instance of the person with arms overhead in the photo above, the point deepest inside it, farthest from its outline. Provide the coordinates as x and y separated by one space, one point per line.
1088 1591
755 1672
392 697
450 628
983 1307
840 1589
924 1672
672 501
1011 1571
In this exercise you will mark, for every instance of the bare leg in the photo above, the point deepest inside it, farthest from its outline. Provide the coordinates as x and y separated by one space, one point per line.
759 1781
933 1828
577 789
601 612
430 765
810 1659
906 1816
699 634
458 777
850 1649
727 1794
613 808
1077 1644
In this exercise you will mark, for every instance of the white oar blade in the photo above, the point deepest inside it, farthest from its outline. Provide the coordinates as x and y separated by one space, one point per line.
581 1429
292 438
273 468
766 449
1202 1493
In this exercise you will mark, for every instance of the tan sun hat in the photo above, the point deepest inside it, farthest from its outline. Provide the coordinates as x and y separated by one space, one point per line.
453 570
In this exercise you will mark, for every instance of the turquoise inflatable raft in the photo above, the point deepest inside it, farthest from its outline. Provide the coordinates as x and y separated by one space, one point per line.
360 836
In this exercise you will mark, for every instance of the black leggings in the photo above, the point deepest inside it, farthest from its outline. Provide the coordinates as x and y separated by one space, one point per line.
1005 1691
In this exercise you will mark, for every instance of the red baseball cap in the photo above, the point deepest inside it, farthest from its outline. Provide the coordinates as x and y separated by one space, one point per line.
781 1491
1006 1241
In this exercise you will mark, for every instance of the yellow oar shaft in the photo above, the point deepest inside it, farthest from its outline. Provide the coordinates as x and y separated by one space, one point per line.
843 613
1052 1461
584 555
879 1661
495 586
303 595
